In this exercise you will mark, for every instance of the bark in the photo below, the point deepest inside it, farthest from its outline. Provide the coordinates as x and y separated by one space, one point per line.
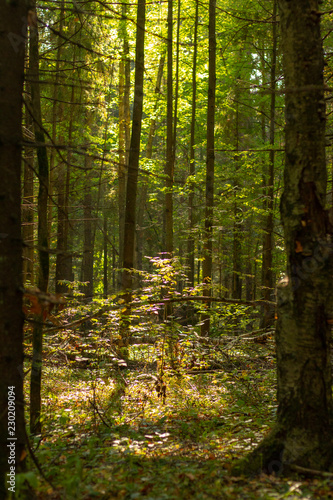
190 241
207 263
140 233
169 164
303 434
237 216
124 127
133 169
43 254
88 247
12 51
267 256
28 203
57 115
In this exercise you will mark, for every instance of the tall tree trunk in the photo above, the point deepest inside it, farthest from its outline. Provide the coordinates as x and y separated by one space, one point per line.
237 217
267 256
169 164
303 434
191 241
57 114
207 263
12 51
149 154
88 246
124 127
43 253
133 169
28 203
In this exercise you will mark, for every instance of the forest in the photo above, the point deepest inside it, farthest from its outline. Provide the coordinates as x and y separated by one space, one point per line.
166 237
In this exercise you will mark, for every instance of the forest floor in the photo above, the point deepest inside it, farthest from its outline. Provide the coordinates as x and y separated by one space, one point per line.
108 435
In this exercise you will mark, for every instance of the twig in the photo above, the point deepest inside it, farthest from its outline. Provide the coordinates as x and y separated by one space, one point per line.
35 461
312 472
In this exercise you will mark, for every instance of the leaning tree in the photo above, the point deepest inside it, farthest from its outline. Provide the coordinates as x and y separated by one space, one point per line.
302 435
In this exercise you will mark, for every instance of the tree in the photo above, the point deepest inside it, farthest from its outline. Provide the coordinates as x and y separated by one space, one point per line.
12 52
170 159
190 241
43 254
303 434
267 255
210 163
133 162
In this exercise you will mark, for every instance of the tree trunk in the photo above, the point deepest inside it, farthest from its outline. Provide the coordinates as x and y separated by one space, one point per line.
140 236
207 263
88 247
124 127
303 434
236 292
43 253
190 240
12 51
267 256
169 164
133 169
28 203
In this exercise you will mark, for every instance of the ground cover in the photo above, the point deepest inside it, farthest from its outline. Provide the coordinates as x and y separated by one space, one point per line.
108 434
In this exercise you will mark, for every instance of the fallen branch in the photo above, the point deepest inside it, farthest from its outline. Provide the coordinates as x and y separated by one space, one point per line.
311 472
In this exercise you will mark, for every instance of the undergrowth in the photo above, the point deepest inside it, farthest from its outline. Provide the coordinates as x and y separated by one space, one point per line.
109 434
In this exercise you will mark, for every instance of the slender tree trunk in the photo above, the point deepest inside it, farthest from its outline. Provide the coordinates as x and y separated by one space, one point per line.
124 127
133 169
149 154
237 216
12 52
28 205
88 232
267 257
191 241
57 115
207 263
303 434
64 270
105 255
43 253
169 164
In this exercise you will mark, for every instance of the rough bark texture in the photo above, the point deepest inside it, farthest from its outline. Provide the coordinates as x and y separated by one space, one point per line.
303 432
43 254
12 49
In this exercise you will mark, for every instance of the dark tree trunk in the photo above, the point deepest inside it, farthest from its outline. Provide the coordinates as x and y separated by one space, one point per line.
303 434
43 253
12 50
140 232
267 256
133 169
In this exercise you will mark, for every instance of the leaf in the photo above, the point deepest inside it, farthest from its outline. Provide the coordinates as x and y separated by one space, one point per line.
299 247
